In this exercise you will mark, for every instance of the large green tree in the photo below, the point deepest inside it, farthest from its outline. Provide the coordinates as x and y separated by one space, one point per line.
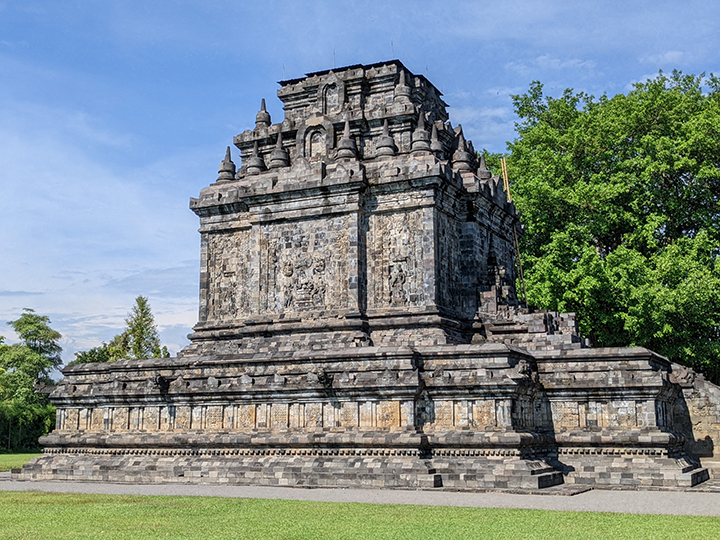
25 413
140 339
620 201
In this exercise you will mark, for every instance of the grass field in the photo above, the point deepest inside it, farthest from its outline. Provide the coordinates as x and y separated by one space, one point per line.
32 515
14 461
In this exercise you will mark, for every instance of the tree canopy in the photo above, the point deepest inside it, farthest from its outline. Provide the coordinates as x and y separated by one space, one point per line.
25 413
620 202
140 339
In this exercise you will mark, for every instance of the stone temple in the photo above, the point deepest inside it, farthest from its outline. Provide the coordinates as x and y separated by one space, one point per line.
359 326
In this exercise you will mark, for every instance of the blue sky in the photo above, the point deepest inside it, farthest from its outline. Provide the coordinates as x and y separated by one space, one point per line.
113 114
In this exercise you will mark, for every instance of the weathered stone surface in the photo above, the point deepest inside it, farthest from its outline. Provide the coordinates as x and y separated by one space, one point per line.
359 326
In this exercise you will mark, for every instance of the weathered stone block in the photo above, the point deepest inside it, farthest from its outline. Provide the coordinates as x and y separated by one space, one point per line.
484 414
349 417
366 414
388 414
152 418
313 415
182 418
279 416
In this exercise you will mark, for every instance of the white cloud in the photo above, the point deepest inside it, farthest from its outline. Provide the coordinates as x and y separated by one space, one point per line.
671 58
472 114
503 91
547 63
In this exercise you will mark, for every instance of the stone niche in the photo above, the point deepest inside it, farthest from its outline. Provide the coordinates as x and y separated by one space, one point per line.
359 326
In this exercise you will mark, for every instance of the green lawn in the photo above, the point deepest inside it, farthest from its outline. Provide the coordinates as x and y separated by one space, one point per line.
14 461
34 515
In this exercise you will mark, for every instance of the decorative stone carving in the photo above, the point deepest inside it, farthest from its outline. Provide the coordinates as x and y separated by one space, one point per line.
331 99
262 120
304 283
523 370
304 267
397 260
683 376
228 267
316 145
397 280
226 171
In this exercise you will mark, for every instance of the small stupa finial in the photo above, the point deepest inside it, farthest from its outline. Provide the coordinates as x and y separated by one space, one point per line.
436 145
386 144
226 172
262 119
462 160
483 172
279 156
346 146
402 89
420 137
255 162
461 141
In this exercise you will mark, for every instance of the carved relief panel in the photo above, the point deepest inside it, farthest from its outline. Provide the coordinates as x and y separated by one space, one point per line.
331 99
500 273
450 288
304 266
229 273
316 144
396 276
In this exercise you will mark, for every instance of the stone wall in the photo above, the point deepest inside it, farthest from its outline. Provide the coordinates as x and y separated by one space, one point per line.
412 405
448 414
697 416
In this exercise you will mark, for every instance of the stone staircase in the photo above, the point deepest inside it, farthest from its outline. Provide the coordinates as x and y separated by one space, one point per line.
478 474
535 331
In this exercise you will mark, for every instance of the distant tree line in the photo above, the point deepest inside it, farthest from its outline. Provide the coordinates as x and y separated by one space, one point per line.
25 369
25 412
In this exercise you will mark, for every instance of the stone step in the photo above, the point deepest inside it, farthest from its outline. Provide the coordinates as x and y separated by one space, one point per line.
693 478
446 470
713 467
690 467
550 479
708 486
492 481
628 469
507 329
